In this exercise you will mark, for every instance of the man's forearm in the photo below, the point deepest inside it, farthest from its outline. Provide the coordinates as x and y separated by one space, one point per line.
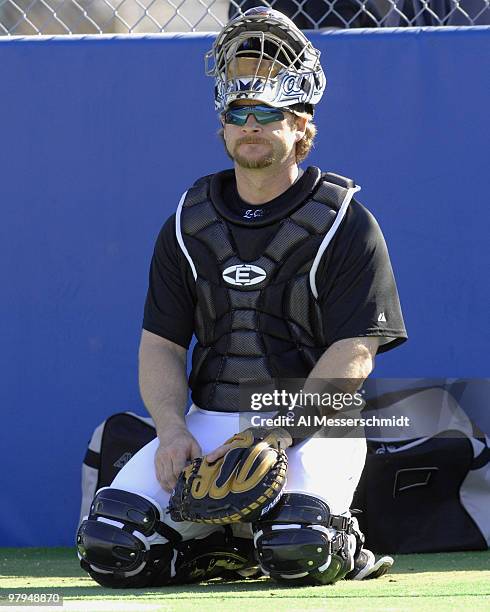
339 373
163 380
346 364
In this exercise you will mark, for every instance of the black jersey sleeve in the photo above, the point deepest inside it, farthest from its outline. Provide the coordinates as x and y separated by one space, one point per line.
169 307
357 291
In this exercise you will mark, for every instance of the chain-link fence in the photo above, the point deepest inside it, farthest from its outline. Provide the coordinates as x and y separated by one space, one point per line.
21 17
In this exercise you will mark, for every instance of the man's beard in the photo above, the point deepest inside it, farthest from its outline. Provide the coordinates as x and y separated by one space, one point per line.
254 163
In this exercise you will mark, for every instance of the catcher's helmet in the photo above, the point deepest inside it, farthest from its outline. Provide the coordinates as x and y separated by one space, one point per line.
261 55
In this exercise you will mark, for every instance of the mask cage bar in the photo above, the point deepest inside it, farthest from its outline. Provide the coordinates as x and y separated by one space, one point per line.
214 60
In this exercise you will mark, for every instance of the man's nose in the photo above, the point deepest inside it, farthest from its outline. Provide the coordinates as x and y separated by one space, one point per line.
251 124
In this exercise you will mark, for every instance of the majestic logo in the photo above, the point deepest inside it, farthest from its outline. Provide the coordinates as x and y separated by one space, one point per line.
123 459
244 275
381 317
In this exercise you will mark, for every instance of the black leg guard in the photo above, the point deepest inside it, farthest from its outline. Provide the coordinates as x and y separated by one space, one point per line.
124 544
300 542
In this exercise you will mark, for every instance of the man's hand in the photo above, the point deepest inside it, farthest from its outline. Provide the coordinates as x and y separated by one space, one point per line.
281 438
218 453
177 448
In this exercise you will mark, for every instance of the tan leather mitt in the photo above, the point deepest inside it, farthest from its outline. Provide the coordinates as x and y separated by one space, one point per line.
240 487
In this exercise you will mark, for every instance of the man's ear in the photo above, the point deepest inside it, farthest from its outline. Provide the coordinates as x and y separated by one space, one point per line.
301 123
221 131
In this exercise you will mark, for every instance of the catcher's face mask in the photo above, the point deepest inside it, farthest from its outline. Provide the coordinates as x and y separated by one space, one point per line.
261 55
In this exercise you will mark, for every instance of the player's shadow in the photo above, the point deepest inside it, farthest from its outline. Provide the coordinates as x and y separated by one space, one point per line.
405 564
65 567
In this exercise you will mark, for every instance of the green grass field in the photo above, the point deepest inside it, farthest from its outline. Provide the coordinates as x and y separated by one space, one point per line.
453 581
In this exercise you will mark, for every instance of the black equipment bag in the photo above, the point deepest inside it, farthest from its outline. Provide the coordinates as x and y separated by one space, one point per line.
111 446
430 491
428 495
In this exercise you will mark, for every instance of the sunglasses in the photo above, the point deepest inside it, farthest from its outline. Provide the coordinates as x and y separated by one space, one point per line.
263 114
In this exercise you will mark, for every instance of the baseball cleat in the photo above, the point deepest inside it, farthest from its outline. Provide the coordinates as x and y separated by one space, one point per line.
366 567
250 572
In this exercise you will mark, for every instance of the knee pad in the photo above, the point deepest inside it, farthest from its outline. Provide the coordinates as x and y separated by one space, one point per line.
300 541
124 543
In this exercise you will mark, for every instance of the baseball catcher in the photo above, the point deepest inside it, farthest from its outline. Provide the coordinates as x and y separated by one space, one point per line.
279 273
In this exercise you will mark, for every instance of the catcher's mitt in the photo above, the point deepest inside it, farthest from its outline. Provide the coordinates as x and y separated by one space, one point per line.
240 487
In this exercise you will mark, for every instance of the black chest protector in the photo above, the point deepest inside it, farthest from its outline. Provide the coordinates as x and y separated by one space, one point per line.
256 320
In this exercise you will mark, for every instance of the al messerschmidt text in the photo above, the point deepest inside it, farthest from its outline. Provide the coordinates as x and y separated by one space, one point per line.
323 421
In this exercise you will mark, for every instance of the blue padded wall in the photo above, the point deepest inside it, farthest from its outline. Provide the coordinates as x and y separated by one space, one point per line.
99 138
